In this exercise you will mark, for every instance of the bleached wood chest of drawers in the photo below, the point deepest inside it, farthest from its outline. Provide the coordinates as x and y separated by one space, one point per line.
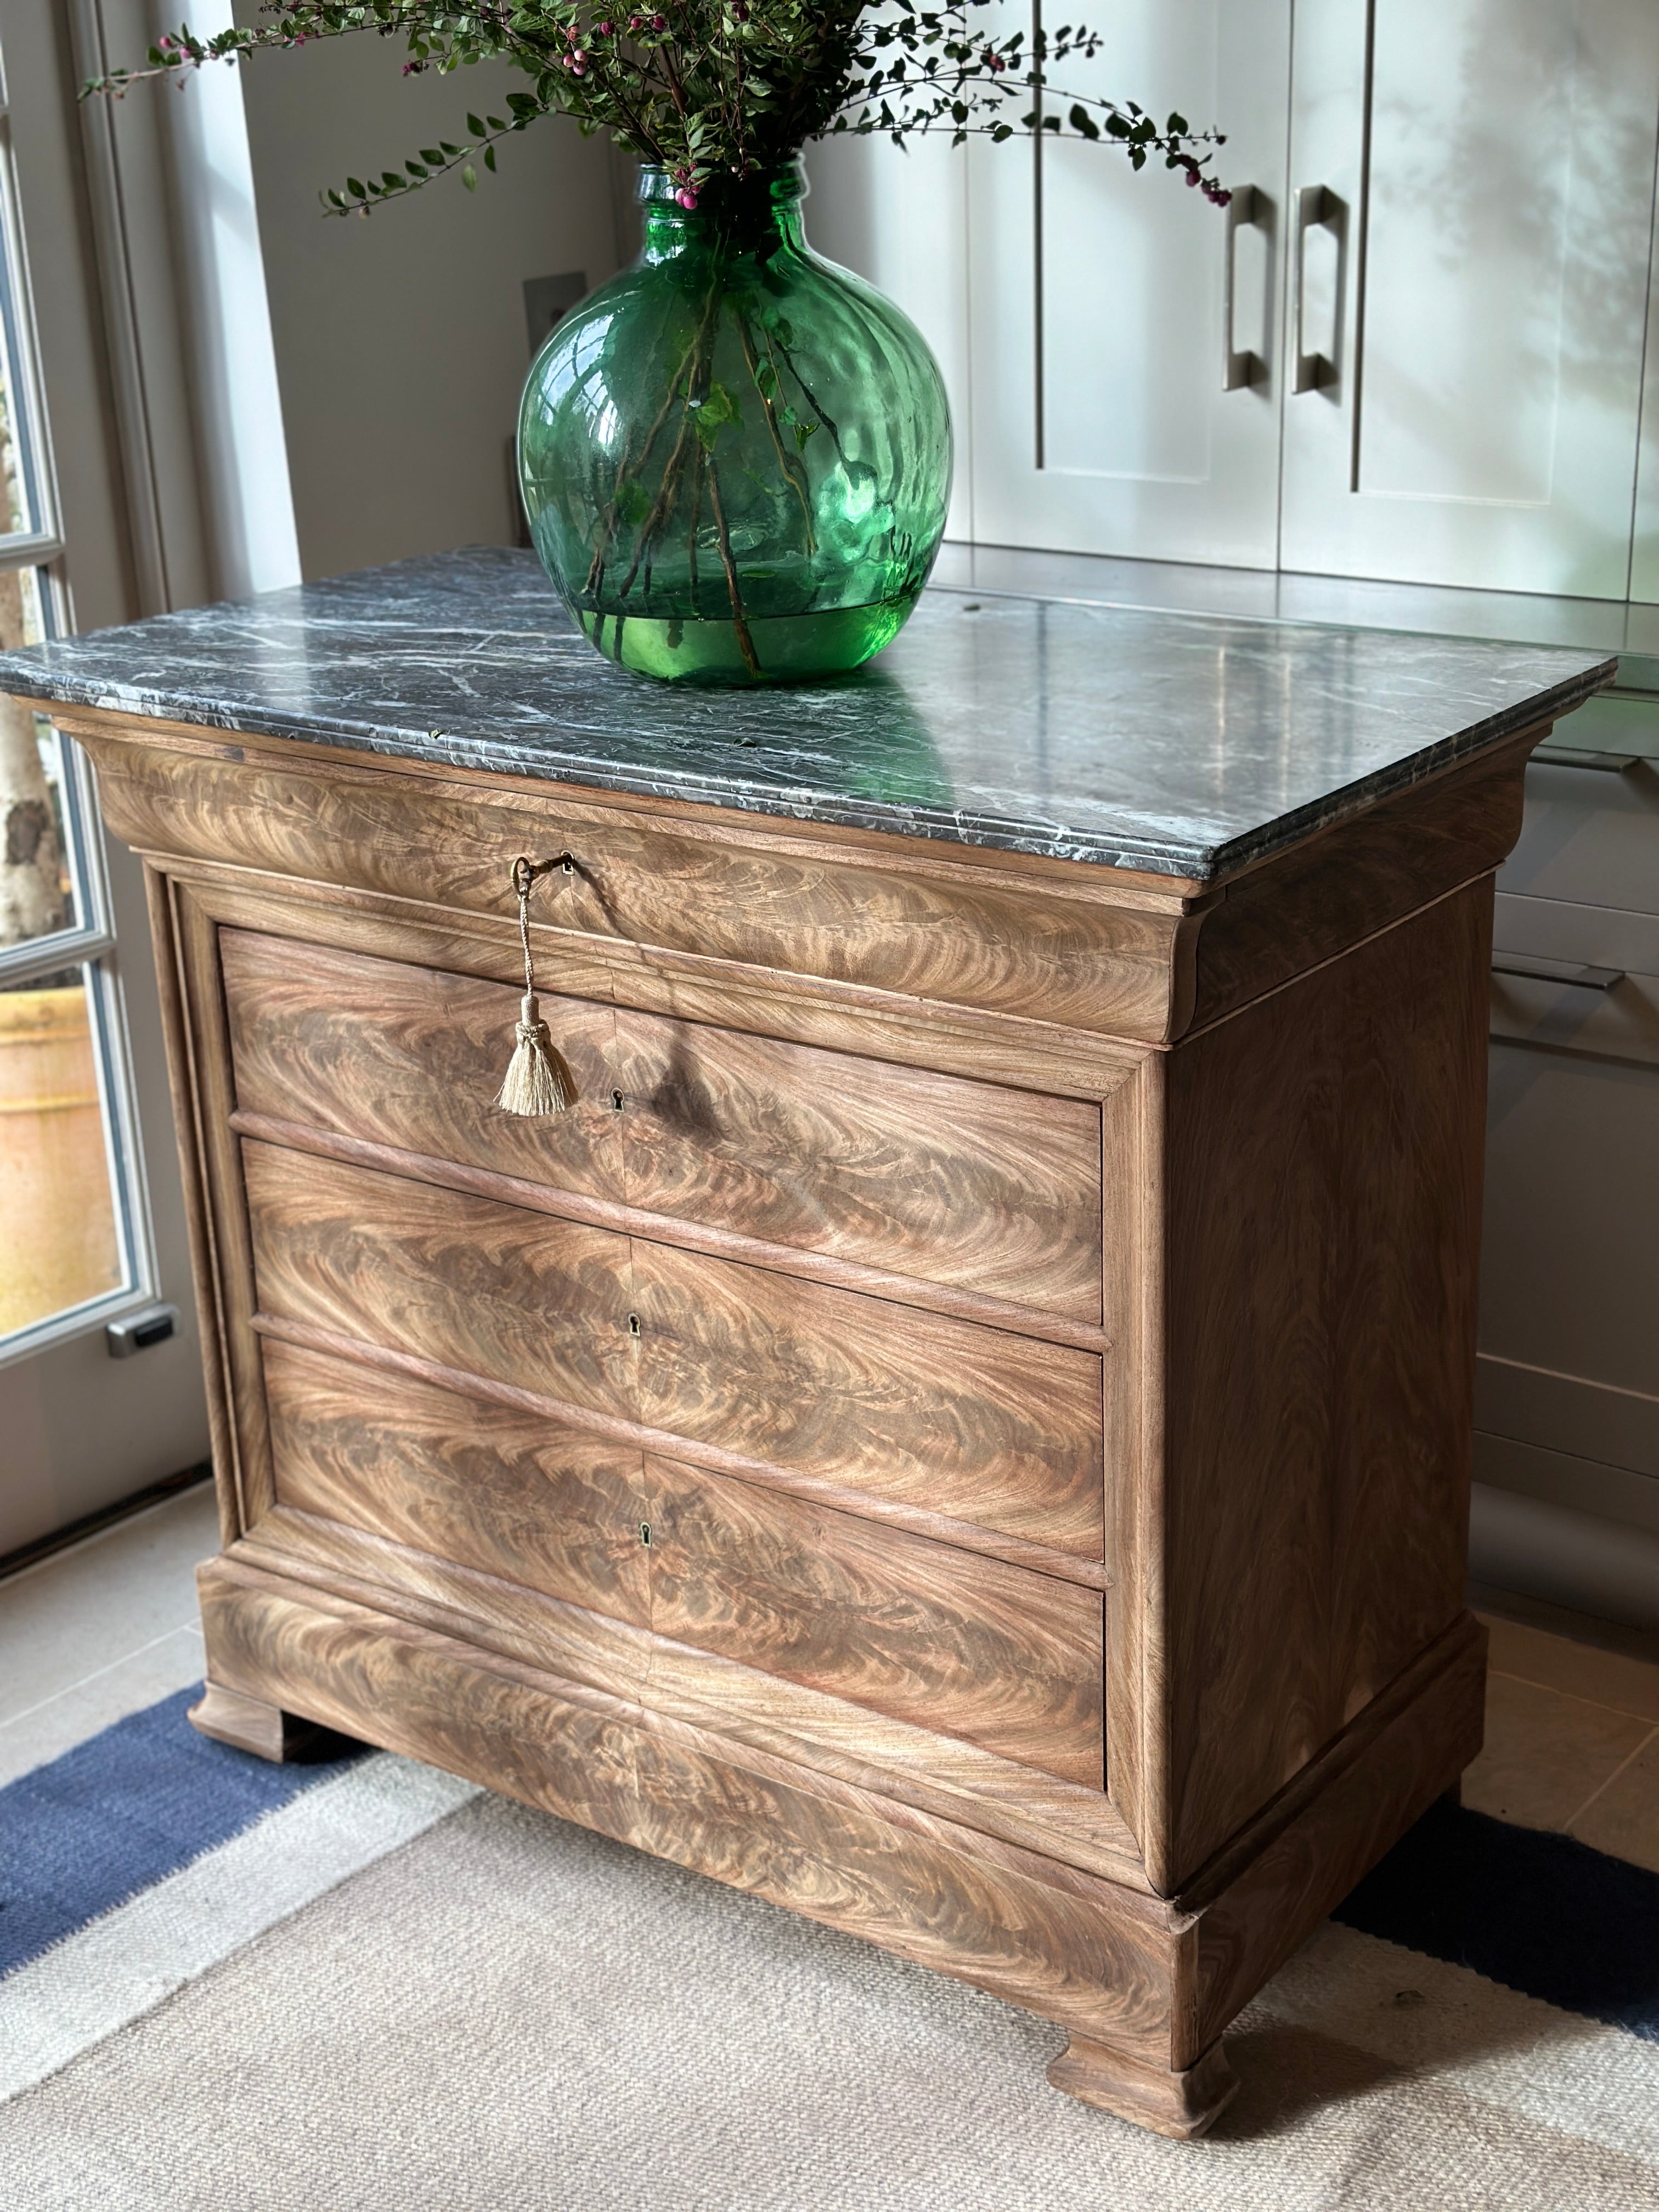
963 1430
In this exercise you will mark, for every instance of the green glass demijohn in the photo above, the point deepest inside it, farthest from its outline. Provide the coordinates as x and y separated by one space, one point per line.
735 456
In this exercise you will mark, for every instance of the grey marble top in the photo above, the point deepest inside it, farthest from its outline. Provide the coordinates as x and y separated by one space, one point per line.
1186 744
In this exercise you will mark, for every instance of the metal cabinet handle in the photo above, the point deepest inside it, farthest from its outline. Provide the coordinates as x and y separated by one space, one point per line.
1546 971
1570 756
1238 370
1316 206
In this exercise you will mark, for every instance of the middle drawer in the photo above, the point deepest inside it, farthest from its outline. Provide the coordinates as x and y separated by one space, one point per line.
938 1415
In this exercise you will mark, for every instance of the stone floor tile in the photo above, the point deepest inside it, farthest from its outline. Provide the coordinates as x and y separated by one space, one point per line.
1623 1819
80 1612
1628 1686
1546 1753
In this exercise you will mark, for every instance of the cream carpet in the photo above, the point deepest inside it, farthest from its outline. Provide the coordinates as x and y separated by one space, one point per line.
504 2013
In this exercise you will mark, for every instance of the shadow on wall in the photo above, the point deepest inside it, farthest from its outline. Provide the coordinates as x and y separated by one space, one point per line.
400 339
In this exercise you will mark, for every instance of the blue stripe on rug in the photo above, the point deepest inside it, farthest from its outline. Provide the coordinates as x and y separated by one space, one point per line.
1540 1912
120 1812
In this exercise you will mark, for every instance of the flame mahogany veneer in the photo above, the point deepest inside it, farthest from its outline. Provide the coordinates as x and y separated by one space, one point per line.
963 1431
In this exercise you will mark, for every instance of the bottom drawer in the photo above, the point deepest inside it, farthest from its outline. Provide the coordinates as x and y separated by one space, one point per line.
946 1639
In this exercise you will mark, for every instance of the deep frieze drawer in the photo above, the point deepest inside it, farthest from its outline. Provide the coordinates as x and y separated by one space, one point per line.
978 1424
928 1176
927 926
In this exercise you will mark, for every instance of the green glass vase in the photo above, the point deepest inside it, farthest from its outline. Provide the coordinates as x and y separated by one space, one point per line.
735 456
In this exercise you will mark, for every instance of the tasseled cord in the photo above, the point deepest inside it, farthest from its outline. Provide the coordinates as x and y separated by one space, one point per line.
539 1080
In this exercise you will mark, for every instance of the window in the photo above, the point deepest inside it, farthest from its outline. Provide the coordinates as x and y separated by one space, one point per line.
74 1238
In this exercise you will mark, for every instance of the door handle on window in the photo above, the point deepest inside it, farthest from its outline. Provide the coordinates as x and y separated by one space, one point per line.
1555 971
1317 207
1238 369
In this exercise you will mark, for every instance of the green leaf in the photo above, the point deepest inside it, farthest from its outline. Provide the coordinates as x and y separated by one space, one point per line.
470 178
766 380
1083 122
490 157
632 504
359 191
475 124
717 408
803 432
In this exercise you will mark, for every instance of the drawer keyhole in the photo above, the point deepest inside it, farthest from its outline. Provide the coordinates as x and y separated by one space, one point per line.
616 1101
645 1532
633 1324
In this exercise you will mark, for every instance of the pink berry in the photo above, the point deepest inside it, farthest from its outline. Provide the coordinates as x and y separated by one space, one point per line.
659 22
686 199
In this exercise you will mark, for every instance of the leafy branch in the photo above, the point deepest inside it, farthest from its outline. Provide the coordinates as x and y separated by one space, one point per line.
713 90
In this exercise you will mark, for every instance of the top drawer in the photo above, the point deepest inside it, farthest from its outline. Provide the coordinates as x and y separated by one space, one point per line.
925 1175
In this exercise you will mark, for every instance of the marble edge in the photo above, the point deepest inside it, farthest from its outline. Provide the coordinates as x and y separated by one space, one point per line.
1141 852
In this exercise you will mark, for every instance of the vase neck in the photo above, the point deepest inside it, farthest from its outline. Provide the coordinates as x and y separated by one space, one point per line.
753 214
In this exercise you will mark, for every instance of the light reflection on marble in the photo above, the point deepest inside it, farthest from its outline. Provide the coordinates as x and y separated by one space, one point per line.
1181 744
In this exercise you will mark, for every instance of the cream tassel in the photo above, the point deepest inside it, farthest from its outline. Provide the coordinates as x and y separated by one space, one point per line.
539 1080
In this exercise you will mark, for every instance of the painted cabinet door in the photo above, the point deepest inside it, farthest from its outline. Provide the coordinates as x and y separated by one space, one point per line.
1104 416
1645 551
1472 188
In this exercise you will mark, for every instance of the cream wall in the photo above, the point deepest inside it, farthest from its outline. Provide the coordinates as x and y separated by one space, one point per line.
400 339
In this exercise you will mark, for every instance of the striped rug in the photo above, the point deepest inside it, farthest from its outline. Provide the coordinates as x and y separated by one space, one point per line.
363 1984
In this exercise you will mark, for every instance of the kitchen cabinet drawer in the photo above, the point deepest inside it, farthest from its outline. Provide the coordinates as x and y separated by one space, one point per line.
928 1176
931 1414
1582 1008
1590 836
1570 1266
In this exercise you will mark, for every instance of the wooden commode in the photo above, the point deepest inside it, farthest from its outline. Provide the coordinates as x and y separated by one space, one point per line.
963 1430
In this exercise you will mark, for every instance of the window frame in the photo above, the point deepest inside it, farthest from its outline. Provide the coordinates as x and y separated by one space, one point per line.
90 943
